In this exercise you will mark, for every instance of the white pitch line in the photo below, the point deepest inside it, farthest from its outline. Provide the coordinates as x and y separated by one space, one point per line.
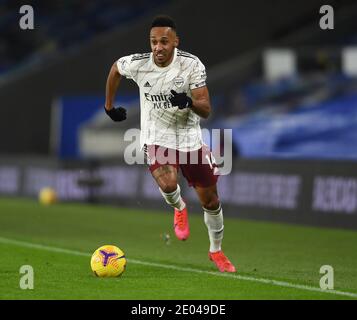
173 267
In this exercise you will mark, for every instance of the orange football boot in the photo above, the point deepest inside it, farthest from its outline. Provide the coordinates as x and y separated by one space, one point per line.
221 261
181 226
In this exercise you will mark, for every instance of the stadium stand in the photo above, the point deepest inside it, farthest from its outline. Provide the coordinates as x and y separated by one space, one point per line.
309 114
64 24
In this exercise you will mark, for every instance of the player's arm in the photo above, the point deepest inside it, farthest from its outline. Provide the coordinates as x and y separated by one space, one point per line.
113 81
112 85
201 104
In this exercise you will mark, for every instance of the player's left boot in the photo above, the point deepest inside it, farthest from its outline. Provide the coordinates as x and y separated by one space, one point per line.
221 261
181 226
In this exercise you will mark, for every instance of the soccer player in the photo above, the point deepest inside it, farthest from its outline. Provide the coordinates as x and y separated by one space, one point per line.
173 97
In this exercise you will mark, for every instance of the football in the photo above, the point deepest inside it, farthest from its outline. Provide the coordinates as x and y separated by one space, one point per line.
108 261
47 196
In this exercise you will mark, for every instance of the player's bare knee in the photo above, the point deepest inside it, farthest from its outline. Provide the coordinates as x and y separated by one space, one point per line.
168 186
211 203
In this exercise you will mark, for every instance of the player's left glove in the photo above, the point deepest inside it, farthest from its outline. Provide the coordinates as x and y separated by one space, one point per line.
180 100
116 114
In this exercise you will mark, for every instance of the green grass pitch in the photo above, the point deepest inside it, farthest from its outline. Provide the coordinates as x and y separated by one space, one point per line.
274 261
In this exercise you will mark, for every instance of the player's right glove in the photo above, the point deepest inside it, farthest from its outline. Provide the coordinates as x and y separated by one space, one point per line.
116 114
181 100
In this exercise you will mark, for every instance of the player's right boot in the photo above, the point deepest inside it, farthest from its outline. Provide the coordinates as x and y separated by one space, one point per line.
221 261
181 226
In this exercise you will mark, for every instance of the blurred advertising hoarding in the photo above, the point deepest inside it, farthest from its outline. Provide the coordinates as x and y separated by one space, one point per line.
308 192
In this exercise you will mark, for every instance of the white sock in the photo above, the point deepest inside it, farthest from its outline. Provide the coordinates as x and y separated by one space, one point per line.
214 222
174 198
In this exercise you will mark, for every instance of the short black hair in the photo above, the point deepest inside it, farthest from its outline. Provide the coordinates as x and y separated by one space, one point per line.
163 21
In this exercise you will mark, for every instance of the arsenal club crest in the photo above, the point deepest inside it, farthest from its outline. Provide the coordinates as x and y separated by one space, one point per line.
178 81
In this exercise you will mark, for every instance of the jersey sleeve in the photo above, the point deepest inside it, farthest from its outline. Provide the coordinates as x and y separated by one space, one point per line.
198 75
124 66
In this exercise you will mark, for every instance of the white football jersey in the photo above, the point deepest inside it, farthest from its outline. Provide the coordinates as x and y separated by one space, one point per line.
161 123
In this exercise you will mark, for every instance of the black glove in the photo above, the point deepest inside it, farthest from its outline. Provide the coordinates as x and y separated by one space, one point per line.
180 100
116 114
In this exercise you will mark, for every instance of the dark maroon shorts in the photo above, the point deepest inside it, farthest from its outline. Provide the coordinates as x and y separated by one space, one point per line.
198 167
